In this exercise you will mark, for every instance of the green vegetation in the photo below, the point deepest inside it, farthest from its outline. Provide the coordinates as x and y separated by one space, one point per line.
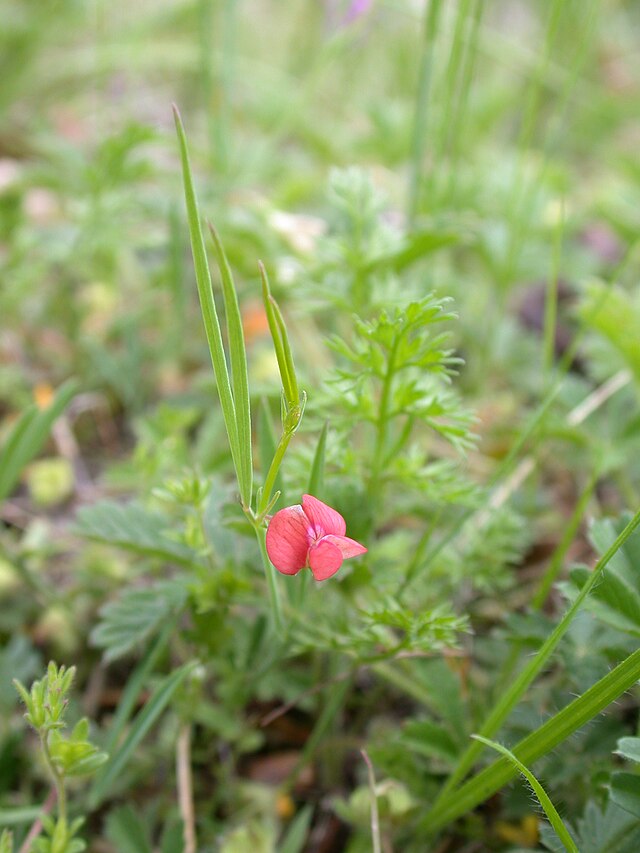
382 253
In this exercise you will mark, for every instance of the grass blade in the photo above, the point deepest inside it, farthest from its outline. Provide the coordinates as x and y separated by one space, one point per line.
316 478
296 836
538 743
280 343
142 724
513 694
267 445
29 435
134 686
549 809
239 370
207 302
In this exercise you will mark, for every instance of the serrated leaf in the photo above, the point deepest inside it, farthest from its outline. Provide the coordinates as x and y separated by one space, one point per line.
629 747
133 528
625 792
607 831
18 659
136 616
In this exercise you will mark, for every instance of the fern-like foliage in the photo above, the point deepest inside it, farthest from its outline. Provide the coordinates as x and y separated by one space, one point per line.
130 621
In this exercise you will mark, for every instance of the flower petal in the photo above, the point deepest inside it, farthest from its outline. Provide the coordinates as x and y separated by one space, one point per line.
288 540
322 517
348 547
324 559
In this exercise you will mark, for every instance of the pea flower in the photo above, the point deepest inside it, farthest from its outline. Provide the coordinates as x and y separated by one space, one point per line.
310 536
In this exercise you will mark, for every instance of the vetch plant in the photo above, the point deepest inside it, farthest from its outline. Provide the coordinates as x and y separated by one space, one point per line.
232 379
310 536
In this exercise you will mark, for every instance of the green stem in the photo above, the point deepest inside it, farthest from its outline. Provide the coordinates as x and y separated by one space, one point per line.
508 701
418 554
382 424
551 299
58 781
557 559
272 580
429 32
272 474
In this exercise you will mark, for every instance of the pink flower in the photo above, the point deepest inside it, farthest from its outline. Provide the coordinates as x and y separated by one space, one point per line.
311 535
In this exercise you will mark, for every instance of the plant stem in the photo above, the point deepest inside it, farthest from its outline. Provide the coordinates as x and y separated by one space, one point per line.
272 474
375 819
185 787
549 578
555 564
36 827
382 424
58 781
551 298
272 580
429 32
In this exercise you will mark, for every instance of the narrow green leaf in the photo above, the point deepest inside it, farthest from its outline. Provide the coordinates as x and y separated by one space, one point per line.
296 836
416 246
549 809
294 394
141 726
134 686
268 445
274 329
126 830
316 478
29 435
19 816
535 745
207 302
172 840
239 370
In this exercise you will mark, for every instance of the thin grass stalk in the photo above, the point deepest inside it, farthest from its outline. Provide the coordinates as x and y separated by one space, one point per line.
272 582
549 578
452 92
555 564
545 801
462 101
375 817
551 299
421 110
